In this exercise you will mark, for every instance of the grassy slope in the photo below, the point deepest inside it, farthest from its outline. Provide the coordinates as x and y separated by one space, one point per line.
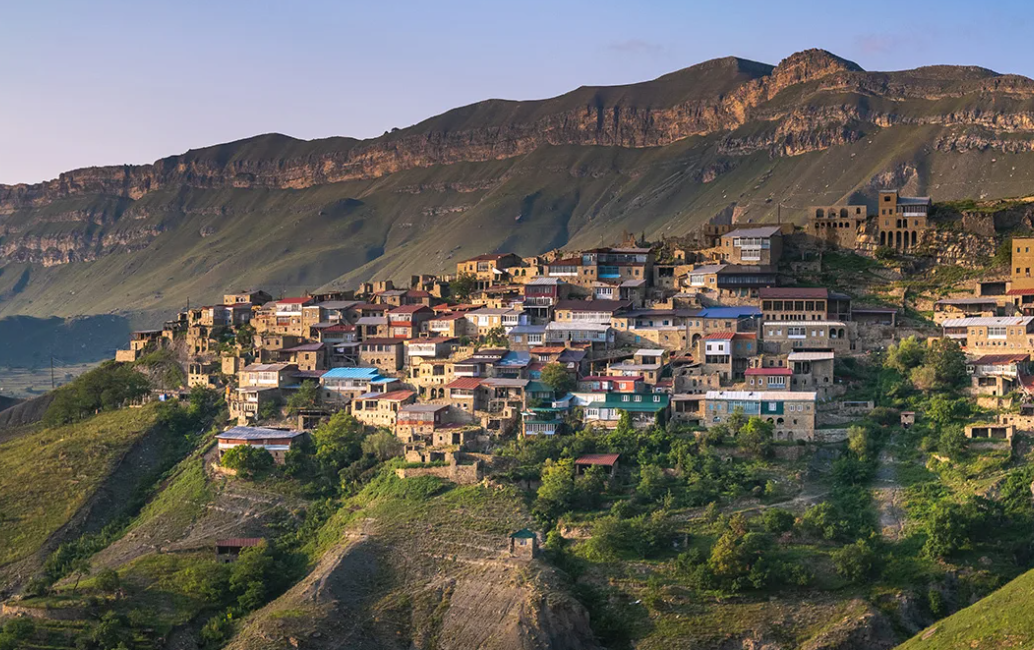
46 476
1002 620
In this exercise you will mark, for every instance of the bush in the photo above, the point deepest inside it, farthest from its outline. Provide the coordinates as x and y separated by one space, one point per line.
382 445
247 460
856 562
107 581
778 521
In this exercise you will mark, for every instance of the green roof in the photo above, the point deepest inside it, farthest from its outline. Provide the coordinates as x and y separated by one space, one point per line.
538 387
523 533
648 402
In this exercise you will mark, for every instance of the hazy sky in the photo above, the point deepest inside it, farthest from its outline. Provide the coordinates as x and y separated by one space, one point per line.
108 82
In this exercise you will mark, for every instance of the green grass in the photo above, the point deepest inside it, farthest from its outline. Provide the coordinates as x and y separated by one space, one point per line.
48 474
183 498
1001 620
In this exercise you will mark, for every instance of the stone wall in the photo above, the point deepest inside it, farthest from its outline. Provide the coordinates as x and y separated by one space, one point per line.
460 474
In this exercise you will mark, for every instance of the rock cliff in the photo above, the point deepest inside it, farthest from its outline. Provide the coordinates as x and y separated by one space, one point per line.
810 101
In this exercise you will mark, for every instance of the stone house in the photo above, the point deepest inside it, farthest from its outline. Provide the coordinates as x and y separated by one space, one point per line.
791 413
524 544
782 337
804 304
490 269
902 220
1004 335
381 409
276 441
388 354
761 245
837 226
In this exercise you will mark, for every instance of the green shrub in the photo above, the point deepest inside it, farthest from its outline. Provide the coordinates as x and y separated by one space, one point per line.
247 460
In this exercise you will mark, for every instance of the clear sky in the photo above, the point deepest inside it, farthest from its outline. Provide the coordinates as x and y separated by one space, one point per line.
109 82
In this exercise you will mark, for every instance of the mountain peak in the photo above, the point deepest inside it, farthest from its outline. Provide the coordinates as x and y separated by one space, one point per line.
811 64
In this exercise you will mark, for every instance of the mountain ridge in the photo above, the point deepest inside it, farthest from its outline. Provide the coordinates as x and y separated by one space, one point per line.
608 118
660 157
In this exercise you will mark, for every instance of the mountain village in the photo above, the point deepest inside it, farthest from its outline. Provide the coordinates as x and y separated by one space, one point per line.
723 323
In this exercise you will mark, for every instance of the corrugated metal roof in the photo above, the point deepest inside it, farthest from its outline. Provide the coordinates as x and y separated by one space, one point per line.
810 356
256 433
761 395
352 373
987 321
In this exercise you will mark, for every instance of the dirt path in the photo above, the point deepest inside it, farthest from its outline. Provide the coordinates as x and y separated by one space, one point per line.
889 497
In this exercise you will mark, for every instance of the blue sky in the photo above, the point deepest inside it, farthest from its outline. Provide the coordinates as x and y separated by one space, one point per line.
109 82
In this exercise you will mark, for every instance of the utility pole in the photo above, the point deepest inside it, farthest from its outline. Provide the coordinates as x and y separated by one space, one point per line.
52 372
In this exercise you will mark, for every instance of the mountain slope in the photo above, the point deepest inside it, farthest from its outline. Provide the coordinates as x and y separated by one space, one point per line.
660 157
1002 620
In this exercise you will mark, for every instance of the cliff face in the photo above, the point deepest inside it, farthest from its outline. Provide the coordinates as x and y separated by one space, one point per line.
812 100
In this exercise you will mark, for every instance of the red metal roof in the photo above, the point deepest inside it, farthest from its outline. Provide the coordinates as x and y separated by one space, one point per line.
720 335
745 335
448 317
808 293
1020 292
466 383
606 460
999 359
239 542
785 372
409 309
394 396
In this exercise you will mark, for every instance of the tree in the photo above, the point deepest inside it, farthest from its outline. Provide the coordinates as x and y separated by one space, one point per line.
947 531
557 491
945 411
556 376
464 285
924 378
856 562
909 353
80 566
736 553
108 581
338 441
307 396
778 521
247 460
736 420
858 442
245 336
496 337
383 445
948 361
251 576
653 483
755 436
952 441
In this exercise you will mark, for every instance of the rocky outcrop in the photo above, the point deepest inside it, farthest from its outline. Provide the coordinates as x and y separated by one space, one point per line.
812 100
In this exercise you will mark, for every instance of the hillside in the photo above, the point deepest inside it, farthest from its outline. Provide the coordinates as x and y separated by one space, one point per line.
1002 620
89 468
660 156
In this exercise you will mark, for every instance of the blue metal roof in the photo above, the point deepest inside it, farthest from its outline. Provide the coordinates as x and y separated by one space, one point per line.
729 312
352 373
514 358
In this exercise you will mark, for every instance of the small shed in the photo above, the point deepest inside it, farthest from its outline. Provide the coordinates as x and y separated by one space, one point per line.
908 418
524 544
228 550
608 461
